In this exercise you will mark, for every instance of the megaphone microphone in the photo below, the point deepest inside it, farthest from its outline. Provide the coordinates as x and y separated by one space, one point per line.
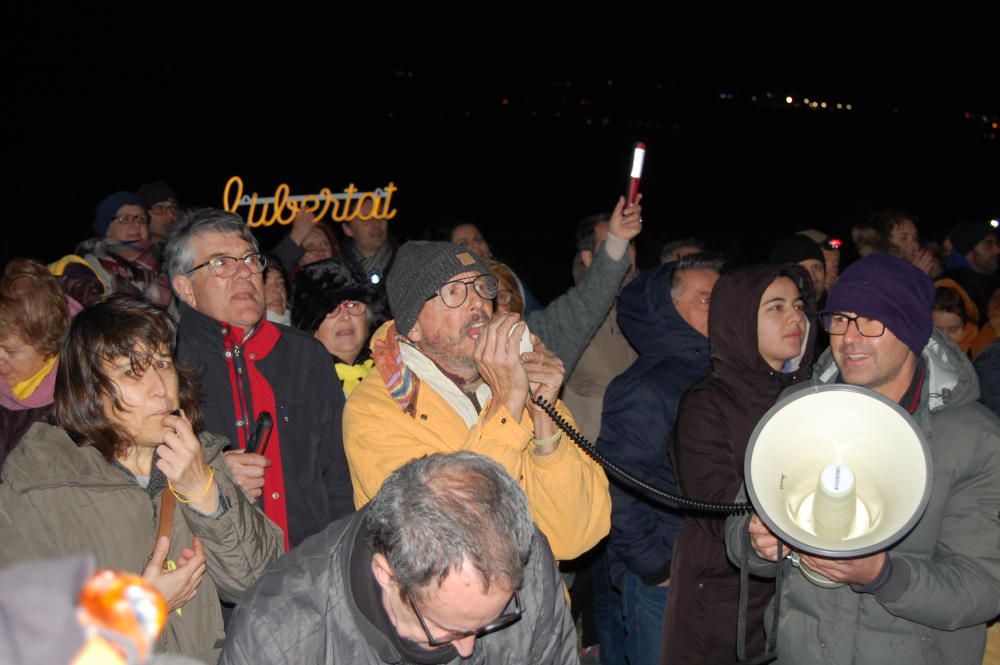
838 471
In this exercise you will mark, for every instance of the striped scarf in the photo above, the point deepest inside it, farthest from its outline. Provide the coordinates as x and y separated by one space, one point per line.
401 382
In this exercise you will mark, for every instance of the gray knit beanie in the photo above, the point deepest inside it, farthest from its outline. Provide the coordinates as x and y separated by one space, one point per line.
420 268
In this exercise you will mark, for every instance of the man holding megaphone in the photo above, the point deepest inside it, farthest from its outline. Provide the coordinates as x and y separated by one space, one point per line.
927 596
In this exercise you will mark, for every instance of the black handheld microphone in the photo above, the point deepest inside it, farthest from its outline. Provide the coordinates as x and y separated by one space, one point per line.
261 433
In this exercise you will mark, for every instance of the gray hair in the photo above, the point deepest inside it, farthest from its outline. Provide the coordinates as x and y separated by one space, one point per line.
437 512
178 257
691 262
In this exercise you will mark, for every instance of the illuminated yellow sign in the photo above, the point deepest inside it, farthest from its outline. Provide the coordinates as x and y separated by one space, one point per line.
282 207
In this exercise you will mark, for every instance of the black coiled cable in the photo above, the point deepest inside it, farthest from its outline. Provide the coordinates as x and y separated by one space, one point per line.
656 494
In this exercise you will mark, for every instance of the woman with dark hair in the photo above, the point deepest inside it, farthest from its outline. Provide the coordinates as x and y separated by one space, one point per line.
34 315
131 479
955 314
761 341
894 232
276 287
319 245
307 241
337 305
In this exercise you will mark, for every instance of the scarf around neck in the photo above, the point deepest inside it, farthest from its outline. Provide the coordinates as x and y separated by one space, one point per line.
403 368
33 392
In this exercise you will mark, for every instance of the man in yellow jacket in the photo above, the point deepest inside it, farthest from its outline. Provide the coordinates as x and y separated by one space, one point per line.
450 376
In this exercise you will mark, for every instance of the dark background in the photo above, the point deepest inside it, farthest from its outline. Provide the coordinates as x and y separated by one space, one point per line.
522 139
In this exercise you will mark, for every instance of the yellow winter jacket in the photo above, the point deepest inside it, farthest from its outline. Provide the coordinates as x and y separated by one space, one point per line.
567 491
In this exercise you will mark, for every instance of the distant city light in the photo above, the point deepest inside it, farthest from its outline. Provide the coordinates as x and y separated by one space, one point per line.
806 101
789 100
823 104
848 107
994 223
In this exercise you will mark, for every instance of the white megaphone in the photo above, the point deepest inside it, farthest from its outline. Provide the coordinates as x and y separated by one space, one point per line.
838 471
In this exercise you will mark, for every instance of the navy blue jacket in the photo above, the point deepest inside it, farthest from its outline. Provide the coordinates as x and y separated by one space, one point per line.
640 408
988 370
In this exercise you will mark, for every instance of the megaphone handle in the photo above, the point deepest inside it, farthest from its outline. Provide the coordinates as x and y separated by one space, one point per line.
811 575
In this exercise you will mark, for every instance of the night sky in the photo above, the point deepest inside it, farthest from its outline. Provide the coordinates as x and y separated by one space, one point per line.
522 140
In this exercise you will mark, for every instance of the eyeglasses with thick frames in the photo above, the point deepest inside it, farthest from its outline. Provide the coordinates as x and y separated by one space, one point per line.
501 622
129 220
227 266
837 323
455 293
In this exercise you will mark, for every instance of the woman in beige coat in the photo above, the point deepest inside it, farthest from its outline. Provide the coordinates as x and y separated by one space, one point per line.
129 437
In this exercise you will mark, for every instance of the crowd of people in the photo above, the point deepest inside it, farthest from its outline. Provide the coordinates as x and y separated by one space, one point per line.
341 448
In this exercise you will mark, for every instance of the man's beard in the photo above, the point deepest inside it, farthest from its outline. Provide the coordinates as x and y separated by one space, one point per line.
446 352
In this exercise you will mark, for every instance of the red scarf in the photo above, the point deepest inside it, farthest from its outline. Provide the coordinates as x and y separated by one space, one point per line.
253 350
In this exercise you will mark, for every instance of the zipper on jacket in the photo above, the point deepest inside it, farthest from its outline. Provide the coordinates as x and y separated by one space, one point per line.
244 405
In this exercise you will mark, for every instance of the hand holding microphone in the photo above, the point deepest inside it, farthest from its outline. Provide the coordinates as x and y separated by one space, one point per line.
499 363
248 466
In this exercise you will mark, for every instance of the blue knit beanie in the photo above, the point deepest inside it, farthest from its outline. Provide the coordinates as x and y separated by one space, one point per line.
107 209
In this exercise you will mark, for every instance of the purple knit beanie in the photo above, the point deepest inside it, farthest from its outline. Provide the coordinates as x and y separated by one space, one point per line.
891 290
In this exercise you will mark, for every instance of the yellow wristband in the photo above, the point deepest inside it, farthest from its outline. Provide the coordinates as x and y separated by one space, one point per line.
547 440
208 485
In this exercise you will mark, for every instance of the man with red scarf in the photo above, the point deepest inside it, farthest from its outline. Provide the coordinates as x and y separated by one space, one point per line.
251 366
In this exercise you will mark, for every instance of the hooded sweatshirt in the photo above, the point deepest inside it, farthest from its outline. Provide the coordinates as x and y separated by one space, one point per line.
708 448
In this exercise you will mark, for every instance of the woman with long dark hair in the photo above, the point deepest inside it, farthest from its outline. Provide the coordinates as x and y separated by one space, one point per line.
130 478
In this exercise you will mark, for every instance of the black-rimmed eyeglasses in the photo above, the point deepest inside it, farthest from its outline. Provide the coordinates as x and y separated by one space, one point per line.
226 266
501 622
456 292
837 323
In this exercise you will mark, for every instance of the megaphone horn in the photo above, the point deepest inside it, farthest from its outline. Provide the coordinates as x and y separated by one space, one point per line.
838 471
